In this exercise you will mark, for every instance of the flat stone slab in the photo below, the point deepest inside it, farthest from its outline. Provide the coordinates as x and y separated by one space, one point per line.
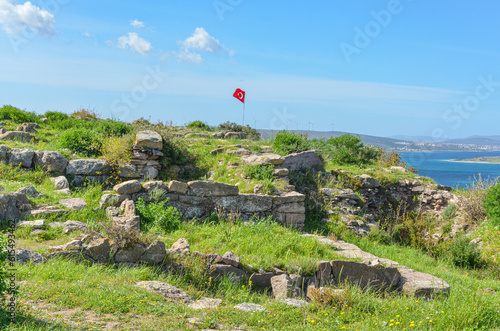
206 303
73 203
171 293
412 282
295 302
250 307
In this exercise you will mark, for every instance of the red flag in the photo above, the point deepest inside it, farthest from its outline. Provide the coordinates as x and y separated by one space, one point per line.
240 95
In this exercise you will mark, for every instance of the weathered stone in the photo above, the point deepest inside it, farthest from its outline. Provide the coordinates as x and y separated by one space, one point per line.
217 151
262 279
206 303
155 185
113 200
239 152
211 189
133 222
37 224
250 307
71 226
363 275
149 172
257 188
16 135
30 191
35 233
264 159
50 161
181 246
101 250
295 302
23 256
221 270
155 253
130 254
28 127
73 203
88 167
367 181
419 284
286 287
245 203
293 207
303 160
289 197
281 171
235 135
55 225
231 259
148 139
171 293
128 187
128 171
3 153
21 156
61 182
324 275
176 186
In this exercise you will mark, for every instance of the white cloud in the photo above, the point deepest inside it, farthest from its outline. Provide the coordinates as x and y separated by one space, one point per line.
200 41
14 18
136 43
137 24
86 34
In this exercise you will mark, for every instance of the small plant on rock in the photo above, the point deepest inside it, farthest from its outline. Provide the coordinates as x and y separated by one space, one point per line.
159 215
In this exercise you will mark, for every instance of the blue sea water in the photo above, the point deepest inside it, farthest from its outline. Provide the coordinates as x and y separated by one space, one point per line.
436 165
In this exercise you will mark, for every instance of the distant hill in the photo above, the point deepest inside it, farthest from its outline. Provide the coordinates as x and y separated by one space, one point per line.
476 140
415 138
387 143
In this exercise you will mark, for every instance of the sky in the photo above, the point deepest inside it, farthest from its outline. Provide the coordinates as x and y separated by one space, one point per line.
385 68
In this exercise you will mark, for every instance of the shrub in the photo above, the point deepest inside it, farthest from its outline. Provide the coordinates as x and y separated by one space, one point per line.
392 158
348 149
450 211
259 172
110 127
285 143
159 215
268 187
231 126
471 202
86 113
464 254
17 115
125 237
491 204
55 115
199 125
80 140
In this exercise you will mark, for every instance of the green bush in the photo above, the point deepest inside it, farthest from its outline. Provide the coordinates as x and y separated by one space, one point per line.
81 140
110 127
491 204
231 126
259 172
464 254
348 149
159 215
17 115
199 125
285 143
450 211
55 115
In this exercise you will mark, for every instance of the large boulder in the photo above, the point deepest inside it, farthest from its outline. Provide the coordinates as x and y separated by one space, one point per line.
129 187
61 183
101 250
285 286
28 127
88 167
30 191
245 203
21 156
211 189
264 159
298 161
16 135
3 153
23 256
420 284
70 226
155 253
130 254
367 181
73 203
365 276
148 139
175 186
50 161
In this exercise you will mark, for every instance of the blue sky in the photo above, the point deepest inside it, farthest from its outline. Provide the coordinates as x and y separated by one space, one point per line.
371 67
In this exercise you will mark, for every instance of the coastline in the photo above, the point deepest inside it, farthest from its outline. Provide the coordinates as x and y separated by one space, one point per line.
472 161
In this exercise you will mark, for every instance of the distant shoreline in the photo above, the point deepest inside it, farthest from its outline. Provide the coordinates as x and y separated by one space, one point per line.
481 159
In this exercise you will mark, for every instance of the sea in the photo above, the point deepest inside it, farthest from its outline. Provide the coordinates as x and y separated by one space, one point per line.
437 166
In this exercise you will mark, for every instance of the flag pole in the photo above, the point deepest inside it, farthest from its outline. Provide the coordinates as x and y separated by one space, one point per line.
243 114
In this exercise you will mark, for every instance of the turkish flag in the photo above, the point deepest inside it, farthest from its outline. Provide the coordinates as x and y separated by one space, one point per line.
240 95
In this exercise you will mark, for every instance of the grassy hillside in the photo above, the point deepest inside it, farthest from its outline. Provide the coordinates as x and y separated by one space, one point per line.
64 295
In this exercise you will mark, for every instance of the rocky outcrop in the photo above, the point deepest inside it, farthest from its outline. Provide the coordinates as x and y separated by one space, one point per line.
303 160
51 161
11 206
